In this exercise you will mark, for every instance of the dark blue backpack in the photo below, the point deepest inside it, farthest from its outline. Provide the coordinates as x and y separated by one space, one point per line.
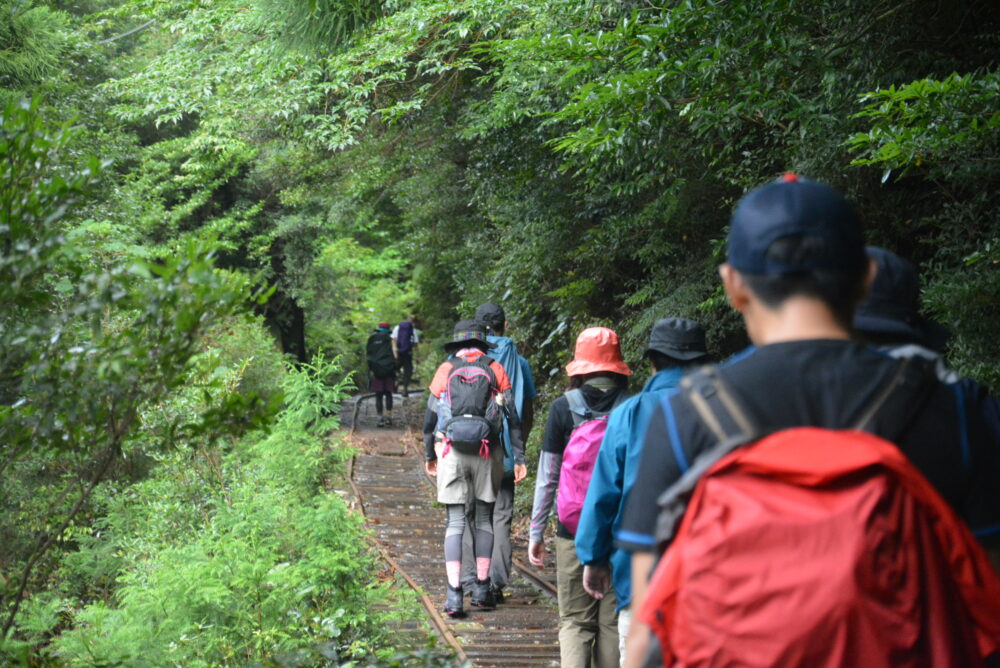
404 337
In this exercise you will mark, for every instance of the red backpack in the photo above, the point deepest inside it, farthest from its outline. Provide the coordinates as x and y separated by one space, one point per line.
813 548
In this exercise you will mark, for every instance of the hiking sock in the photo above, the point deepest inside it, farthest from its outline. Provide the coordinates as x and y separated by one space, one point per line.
388 412
454 570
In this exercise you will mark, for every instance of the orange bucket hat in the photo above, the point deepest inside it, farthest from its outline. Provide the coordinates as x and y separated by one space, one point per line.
597 349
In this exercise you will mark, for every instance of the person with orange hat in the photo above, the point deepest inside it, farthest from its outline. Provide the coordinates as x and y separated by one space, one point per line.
598 377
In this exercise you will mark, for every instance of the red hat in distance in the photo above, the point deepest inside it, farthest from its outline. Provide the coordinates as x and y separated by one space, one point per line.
597 349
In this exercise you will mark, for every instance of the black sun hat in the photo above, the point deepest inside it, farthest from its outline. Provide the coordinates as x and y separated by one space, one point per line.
468 332
679 338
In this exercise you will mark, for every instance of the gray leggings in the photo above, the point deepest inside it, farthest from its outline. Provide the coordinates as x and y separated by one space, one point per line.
482 535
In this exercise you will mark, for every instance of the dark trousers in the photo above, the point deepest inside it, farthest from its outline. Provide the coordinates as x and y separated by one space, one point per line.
406 363
378 401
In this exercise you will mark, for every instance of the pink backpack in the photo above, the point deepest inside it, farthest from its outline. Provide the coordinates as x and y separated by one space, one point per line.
579 457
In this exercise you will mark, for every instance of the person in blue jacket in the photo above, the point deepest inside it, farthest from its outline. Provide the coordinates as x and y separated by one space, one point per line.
675 345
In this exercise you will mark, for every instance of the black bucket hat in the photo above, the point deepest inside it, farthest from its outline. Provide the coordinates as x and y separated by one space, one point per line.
678 338
468 332
892 306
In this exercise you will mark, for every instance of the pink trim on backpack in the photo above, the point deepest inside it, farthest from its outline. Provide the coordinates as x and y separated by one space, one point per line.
447 447
484 449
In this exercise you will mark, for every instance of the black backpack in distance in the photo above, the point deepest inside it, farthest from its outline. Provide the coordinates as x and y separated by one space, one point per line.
381 362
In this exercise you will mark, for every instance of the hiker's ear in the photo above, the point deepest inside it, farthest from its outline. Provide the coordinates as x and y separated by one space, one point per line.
736 290
870 274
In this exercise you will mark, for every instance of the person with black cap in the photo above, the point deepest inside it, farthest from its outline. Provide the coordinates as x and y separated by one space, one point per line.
889 317
466 476
796 267
675 345
523 390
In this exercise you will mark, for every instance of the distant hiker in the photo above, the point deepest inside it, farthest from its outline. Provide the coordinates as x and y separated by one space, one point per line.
523 390
834 550
675 346
462 448
405 338
382 371
598 377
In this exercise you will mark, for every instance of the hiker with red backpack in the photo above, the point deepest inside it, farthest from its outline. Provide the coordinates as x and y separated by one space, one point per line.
462 448
676 345
814 498
382 372
598 380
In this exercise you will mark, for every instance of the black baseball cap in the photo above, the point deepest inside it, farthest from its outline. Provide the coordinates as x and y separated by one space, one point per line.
678 338
492 316
795 207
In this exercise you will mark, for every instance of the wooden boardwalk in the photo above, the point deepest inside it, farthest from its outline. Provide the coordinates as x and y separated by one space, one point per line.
398 502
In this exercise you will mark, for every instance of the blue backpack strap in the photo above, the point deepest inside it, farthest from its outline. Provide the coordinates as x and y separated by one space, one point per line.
578 408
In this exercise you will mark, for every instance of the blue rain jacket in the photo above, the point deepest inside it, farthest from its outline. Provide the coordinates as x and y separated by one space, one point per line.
522 384
614 474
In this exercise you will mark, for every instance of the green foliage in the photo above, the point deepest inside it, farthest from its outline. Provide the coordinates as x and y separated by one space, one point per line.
32 40
84 353
945 126
233 557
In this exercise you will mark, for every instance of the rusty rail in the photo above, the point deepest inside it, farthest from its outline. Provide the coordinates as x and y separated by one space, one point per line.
435 616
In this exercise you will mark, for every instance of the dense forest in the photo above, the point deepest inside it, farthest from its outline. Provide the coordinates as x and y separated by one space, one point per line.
206 205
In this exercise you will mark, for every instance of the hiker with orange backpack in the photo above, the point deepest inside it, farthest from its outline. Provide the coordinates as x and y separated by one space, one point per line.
792 537
598 379
462 449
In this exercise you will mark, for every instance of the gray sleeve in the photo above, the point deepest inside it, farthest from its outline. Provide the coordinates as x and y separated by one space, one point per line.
546 483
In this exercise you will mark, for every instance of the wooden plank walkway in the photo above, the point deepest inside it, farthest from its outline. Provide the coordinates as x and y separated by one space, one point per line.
399 504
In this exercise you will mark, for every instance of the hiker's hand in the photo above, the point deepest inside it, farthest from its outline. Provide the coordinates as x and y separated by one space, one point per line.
536 553
596 580
431 468
520 473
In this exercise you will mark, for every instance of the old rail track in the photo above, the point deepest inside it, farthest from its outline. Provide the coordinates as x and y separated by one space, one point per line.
397 500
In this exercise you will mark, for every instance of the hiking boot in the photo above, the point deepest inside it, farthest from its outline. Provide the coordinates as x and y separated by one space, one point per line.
453 602
381 421
482 595
497 593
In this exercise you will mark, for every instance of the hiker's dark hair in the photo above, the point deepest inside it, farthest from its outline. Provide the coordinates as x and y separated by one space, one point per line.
839 290
663 361
621 380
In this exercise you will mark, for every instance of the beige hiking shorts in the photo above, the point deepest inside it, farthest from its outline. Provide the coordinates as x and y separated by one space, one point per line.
462 478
